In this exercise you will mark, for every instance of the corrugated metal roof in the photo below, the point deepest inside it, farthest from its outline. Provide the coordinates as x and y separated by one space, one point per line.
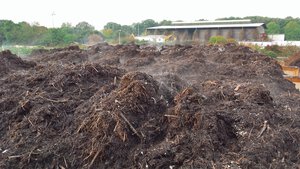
213 22
248 25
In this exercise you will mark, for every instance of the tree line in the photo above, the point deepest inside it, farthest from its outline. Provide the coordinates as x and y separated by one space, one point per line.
24 33
34 34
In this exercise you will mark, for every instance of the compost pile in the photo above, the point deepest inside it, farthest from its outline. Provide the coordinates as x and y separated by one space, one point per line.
130 106
10 62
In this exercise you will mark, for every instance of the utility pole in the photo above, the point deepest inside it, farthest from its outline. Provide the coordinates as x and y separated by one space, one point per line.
53 14
119 37
138 29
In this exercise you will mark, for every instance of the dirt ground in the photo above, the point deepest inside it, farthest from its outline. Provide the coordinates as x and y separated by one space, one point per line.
130 106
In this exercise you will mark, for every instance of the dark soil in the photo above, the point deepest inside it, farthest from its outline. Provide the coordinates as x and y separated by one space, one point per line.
131 106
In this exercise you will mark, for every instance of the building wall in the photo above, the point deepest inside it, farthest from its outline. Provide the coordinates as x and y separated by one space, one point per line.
203 35
278 37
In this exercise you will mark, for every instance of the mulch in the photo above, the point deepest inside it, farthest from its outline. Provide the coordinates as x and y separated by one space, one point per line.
131 106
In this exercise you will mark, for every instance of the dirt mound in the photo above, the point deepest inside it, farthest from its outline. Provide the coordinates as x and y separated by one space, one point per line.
230 62
129 117
41 105
137 106
216 126
10 62
68 55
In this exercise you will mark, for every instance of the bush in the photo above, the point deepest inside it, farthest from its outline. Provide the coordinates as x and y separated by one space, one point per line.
217 40
274 48
271 54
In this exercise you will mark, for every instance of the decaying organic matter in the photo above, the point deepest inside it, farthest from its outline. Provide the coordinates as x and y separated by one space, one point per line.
130 106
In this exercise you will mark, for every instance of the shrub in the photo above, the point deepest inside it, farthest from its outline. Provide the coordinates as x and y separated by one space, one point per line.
271 54
217 40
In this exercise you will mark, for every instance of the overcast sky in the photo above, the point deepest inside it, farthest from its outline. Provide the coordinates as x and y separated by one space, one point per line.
99 12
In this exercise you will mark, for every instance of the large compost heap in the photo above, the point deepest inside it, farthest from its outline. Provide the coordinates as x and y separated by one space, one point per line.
130 106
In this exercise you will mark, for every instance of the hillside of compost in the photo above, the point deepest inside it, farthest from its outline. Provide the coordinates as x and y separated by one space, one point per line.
131 106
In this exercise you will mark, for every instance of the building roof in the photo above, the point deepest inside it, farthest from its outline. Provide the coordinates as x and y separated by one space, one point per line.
212 22
246 25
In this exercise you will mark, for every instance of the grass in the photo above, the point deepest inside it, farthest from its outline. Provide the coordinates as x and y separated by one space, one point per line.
21 51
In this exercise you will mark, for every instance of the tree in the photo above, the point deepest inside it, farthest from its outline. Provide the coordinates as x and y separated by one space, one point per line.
292 30
66 25
165 22
2 38
24 33
39 34
273 28
149 23
83 30
5 28
107 33
69 33
113 26
127 30
139 28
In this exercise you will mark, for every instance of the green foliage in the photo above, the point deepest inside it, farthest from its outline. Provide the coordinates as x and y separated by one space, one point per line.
82 30
274 48
107 33
127 30
292 30
111 30
165 22
113 26
33 34
25 34
217 40
272 54
273 28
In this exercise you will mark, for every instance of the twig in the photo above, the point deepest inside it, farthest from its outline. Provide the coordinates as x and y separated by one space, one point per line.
66 162
223 93
115 80
92 162
130 125
169 115
263 129
15 156
27 118
60 90
61 167
55 101
116 126
250 132
29 155
154 100
95 69
81 126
